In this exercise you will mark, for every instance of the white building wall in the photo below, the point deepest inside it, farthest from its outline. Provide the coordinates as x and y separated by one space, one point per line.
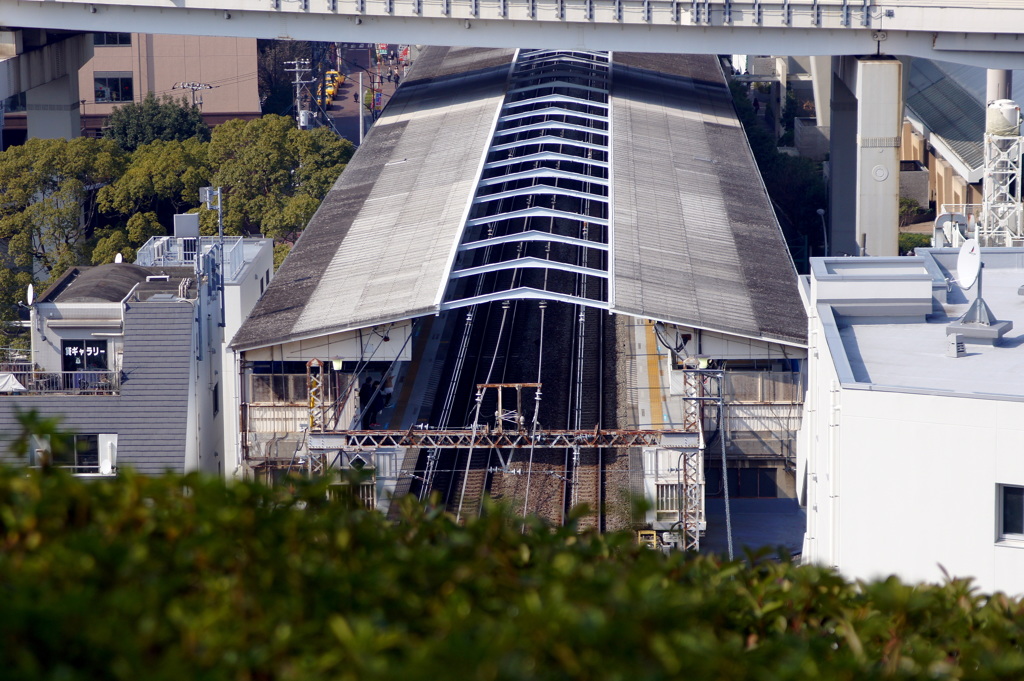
919 490
241 296
906 483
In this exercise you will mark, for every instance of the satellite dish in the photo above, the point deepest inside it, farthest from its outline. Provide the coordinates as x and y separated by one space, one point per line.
31 294
118 258
968 263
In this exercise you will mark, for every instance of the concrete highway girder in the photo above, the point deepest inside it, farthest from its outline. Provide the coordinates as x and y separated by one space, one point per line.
974 33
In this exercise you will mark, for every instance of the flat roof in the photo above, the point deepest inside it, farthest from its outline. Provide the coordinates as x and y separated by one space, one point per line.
694 237
908 353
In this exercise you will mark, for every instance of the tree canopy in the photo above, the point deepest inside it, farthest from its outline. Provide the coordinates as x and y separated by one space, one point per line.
163 177
275 175
83 201
194 578
47 204
135 124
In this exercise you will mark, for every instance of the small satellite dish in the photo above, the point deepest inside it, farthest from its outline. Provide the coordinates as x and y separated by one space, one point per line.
968 263
31 294
118 258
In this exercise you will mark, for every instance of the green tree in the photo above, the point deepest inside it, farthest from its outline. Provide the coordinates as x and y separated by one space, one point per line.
139 229
909 210
48 204
137 123
273 174
795 185
163 177
908 241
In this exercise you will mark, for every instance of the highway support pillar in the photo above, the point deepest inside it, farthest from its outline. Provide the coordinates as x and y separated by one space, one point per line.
53 105
867 115
999 85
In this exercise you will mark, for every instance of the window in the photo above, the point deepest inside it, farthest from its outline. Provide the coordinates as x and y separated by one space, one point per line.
110 39
216 399
668 502
14 103
1011 512
83 355
113 86
82 456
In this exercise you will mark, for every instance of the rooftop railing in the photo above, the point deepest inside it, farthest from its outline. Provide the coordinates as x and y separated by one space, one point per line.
169 251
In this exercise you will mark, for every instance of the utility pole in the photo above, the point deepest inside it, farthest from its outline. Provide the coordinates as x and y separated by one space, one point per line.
299 66
194 87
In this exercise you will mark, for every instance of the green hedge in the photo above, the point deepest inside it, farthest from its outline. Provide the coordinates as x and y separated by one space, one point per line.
911 240
189 578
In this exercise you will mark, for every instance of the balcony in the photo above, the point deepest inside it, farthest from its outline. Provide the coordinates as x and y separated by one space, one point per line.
23 378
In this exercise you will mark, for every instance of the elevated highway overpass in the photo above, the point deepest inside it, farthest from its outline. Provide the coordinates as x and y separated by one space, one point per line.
853 45
980 32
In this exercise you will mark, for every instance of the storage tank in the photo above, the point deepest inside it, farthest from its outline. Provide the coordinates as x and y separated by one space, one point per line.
1002 118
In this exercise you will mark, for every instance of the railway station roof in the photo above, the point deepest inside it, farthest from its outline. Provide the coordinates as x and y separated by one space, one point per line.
689 235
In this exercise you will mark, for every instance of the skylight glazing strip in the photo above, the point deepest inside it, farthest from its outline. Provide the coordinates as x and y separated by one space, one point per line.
540 222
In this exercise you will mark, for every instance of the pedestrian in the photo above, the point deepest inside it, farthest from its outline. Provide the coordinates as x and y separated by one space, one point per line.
365 402
757 106
376 404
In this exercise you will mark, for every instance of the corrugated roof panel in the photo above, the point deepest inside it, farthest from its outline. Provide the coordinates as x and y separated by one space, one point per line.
948 109
694 239
378 246
690 212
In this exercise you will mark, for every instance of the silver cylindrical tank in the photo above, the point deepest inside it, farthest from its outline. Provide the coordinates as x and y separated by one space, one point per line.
1002 118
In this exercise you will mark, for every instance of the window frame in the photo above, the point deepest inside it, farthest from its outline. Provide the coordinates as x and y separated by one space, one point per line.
90 351
1002 535
108 78
84 456
666 501
102 42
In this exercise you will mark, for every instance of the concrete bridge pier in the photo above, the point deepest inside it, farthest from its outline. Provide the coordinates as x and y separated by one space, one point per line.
999 85
867 113
45 67
53 109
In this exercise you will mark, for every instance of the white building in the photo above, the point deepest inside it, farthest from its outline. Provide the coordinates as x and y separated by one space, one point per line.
130 356
910 458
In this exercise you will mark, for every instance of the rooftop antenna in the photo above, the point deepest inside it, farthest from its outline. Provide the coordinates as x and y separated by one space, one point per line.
118 258
30 295
978 324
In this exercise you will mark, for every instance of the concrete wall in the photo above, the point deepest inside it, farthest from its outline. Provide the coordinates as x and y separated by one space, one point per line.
158 62
240 298
914 185
811 140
